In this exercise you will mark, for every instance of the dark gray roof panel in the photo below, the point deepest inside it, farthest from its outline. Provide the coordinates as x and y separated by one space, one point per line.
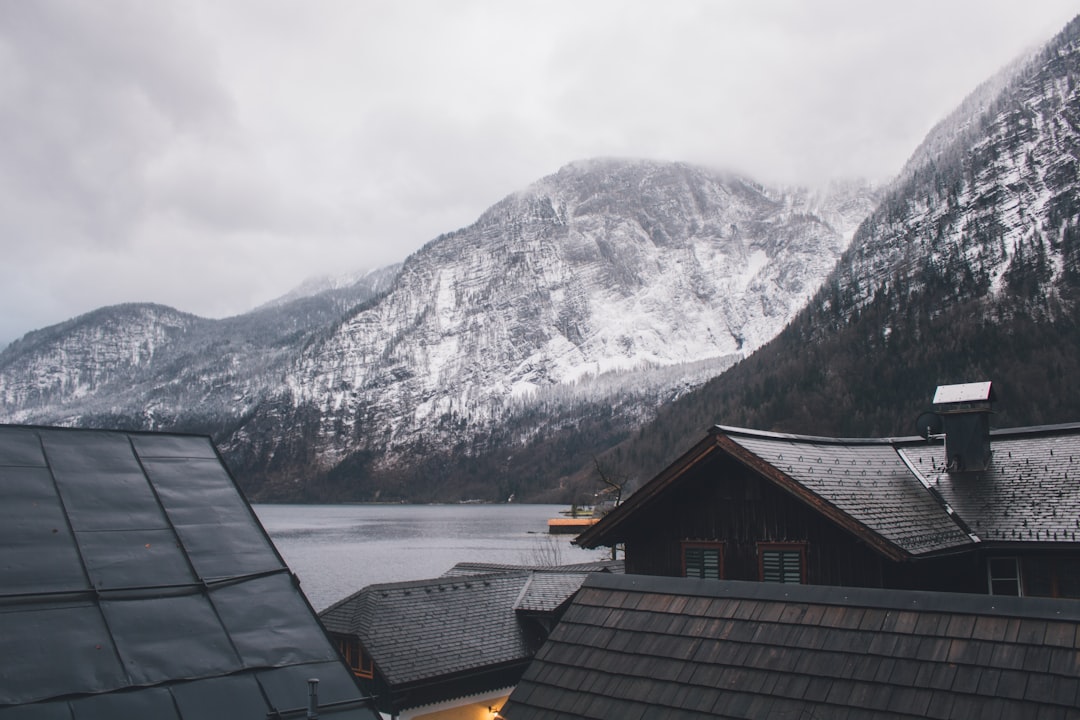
173 446
20 447
144 586
336 684
154 703
867 482
89 662
163 638
208 514
118 559
84 465
265 618
34 529
221 697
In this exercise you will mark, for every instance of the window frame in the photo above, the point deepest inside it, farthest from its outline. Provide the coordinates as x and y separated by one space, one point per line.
1018 577
782 547
717 545
353 654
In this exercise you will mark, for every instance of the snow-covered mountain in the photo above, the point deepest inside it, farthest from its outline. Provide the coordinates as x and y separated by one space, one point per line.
605 266
150 366
993 188
609 279
968 270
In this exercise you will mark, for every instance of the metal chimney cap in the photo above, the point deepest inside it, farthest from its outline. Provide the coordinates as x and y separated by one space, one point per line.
963 393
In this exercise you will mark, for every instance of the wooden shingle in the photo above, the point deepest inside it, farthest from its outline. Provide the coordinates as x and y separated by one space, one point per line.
942 655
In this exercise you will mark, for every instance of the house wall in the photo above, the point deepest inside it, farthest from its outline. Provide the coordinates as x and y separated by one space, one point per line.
723 501
475 707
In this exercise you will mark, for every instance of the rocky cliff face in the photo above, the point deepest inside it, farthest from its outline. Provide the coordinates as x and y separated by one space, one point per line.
150 366
612 282
990 198
607 266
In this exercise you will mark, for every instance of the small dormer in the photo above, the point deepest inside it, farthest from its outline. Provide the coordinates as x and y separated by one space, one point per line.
965 414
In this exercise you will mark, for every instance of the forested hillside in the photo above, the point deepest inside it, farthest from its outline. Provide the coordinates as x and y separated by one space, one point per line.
969 270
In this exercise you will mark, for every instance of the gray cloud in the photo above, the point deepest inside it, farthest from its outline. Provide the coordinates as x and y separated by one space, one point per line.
210 155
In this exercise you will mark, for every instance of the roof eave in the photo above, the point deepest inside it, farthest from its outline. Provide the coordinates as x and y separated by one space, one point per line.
603 532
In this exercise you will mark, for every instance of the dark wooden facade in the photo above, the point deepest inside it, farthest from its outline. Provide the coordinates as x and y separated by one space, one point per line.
727 505
722 513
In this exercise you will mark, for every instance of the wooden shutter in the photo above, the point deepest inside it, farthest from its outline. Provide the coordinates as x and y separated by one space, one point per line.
782 564
703 560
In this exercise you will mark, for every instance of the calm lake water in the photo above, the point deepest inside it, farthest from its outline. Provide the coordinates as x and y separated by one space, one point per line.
338 549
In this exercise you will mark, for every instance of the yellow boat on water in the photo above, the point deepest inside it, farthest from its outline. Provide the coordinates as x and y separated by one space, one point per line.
568 525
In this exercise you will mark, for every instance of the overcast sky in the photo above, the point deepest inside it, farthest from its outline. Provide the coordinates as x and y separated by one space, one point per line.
211 155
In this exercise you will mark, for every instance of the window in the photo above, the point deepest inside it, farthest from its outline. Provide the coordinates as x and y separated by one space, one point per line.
354 656
1050 577
703 560
1003 576
782 563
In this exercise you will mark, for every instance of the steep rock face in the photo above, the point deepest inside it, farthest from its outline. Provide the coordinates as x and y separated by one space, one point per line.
86 356
605 266
987 198
150 366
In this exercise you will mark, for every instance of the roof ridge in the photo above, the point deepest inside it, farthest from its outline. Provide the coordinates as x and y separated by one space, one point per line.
1024 430
521 595
938 498
814 439
883 598
424 582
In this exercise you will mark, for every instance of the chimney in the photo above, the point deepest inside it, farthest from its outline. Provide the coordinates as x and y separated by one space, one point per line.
965 414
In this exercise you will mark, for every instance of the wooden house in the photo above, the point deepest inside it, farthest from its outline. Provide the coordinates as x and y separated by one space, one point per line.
963 509
452 648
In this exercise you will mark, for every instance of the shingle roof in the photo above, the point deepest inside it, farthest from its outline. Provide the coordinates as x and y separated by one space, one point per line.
546 592
895 491
1030 493
478 568
429 628
867 481
136 581
633 647
425 629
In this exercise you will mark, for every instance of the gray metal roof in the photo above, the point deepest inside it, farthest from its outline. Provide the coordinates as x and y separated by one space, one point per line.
632 647
479 568
135 581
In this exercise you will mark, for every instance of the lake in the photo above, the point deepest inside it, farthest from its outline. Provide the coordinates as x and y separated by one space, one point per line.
336 550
